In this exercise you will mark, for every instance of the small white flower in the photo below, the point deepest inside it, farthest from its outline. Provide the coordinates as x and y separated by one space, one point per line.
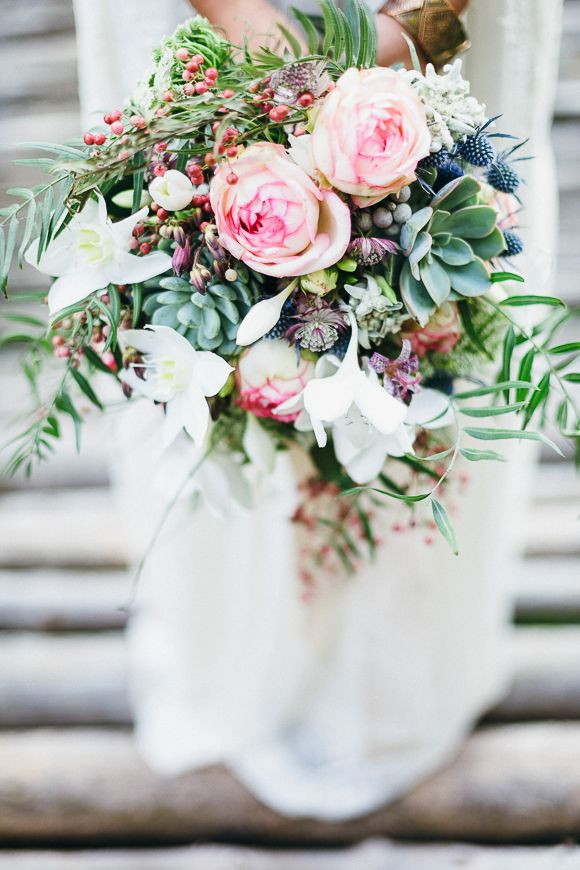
91 253
262 317
171 191
331 398
178 375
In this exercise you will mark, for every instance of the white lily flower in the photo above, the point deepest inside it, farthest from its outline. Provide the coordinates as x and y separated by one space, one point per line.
362 449
178 375
171 191
262 317
326 366
328 399
93 252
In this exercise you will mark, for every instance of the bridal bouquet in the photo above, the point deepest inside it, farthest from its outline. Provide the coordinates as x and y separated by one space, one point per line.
302 248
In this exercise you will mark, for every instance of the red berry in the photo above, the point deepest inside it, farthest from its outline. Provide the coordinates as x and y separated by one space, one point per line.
268 93
138 230
162 214
167 97
198 58
306 99
223 110
89 139
192 66
203 226
211 73
231 133
221 149
116 114
99 138
108 119
117 128
254 87
209 159
189 89
232 151
133 244
207 206
182 54
187 76
145 247
160 146
159 170
267 107
197 200
232 178
160 112
228 93
201 87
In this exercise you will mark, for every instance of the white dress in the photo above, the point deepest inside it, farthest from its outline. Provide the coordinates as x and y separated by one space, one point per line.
333 707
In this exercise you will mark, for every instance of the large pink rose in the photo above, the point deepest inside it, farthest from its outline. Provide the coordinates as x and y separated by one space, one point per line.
275 219
269 373
370 133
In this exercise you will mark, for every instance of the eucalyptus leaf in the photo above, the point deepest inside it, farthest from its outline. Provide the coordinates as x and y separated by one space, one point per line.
444 525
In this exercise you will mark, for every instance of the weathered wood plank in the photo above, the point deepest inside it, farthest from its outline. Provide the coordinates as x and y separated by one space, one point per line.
44 679
547 588
371 855
509 784
38 18
63 600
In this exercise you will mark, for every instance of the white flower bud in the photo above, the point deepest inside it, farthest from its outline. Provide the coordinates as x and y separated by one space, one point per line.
172 191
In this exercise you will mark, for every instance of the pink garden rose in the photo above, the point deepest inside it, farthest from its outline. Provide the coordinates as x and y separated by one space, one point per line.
275 219
370 133
270 373
440 334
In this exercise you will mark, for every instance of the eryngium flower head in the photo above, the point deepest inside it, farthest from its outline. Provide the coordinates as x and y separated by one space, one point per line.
370 251
291 81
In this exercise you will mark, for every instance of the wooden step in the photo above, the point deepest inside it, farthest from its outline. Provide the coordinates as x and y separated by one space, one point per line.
371 855
508 784
547 589
75 679
63 600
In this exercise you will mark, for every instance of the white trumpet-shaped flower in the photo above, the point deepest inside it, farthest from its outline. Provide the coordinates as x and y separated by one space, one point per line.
176 374
93 252
262 317
362 449
328 399
171 191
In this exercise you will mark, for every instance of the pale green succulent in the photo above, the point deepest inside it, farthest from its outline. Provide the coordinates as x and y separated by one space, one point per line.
446 245
209 321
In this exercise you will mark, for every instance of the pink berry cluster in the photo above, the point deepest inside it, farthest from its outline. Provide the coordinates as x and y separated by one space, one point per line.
114 120
197 77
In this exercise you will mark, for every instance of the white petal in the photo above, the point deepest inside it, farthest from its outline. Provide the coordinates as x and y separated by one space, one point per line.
368 463
262 317
384 412
175 418
126 268
122 231
75 286
319 431
57 259
430 409
259 446
329 398
210 372
301 154
196 413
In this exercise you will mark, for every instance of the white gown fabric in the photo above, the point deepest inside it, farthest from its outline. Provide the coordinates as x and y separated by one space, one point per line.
333 707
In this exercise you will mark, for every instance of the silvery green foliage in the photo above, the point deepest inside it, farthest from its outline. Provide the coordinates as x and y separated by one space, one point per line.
446 245
210 320
452 112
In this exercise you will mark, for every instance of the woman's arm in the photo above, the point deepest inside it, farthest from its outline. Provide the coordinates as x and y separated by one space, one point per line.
257 20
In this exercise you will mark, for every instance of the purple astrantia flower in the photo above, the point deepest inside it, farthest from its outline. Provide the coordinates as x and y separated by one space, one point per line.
316 325
370 251
401 374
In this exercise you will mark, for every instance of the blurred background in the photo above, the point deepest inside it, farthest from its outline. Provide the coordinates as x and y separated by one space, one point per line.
70 778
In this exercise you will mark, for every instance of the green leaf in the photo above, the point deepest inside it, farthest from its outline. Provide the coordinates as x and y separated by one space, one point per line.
456 253
436 280
537 398
348 40
64 403
333 34
28 227
415 297
514 434
95 360
472 222
470 280
520 301
456 192
411 229
500 277
86 388
294 44
492 411
572 378
137 303
309 30
489 389
472 333
509 344
475 455
491 246
8 252
138 177
525 373
569 347
441 517
409 499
